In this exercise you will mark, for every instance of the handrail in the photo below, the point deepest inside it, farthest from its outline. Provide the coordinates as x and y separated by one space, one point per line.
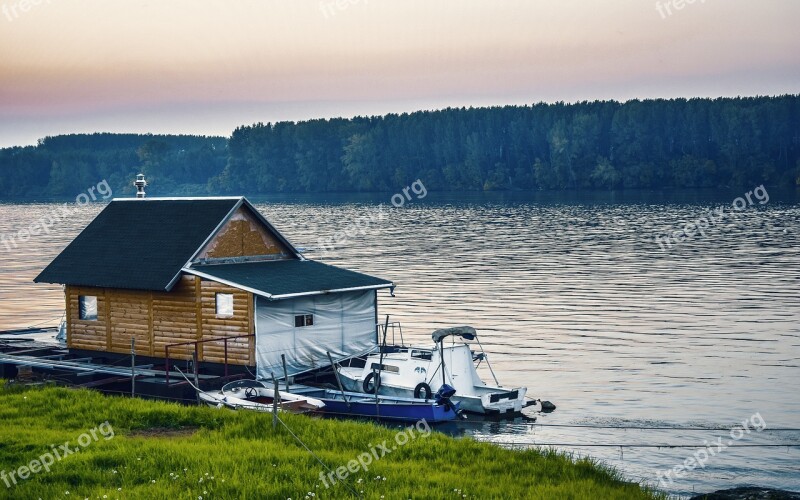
196 343
396 327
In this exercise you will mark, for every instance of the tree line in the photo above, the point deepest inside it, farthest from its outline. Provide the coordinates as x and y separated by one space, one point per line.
677 143
64 166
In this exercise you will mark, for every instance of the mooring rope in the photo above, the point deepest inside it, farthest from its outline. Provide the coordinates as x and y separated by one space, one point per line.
278 418
611 445
59 318
315 455
631 427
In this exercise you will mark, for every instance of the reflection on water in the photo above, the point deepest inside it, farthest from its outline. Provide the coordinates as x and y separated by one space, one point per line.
574 299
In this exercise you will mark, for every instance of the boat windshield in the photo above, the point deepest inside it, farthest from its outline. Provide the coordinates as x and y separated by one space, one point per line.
421 354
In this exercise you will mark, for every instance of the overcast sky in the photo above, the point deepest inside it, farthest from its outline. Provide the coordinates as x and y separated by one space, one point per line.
207 66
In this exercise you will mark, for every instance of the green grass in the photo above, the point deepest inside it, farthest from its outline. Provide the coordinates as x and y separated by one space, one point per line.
226 454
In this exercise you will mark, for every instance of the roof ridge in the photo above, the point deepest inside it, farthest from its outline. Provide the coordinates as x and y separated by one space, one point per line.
182 198
289 280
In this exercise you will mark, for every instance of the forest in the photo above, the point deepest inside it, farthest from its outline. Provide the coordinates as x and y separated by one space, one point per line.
601 145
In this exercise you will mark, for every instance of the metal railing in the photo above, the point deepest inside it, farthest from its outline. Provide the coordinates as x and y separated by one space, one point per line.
197 343
395 328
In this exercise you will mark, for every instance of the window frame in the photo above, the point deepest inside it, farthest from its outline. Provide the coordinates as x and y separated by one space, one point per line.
421 354
303 320
218 304
82 299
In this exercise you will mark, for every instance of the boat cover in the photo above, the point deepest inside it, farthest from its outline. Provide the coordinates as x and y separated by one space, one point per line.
466 332
344 325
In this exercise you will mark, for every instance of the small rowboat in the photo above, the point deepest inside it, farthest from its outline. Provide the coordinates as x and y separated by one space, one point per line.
253 395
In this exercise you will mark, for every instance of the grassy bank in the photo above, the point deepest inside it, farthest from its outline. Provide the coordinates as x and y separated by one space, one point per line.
159 450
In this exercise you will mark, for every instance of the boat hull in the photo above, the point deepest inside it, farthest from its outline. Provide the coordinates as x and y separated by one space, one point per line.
252 395
387 408
494 401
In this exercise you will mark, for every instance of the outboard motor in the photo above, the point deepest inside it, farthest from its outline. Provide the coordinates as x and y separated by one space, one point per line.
443 396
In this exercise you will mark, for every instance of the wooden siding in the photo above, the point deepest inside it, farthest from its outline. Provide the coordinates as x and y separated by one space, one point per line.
158 319
237 325
243 236
129 317
84 334
175 319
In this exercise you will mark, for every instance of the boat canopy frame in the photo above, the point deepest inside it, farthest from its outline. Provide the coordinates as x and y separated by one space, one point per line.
465 332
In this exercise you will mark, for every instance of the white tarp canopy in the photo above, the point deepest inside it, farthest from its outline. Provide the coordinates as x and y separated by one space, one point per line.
344 325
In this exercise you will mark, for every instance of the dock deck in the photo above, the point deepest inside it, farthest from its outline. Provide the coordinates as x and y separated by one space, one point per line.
38 350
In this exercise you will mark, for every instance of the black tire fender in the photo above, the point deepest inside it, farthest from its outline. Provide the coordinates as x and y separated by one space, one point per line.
366 385
422 386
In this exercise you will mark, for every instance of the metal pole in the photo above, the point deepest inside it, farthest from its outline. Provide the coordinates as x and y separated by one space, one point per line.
196 373
486 357
166 355
226 357
285 372
275 399
375 375
338 380
386 331
133 366
441 356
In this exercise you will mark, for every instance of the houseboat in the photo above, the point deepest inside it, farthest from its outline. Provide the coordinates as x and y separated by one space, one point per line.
210 279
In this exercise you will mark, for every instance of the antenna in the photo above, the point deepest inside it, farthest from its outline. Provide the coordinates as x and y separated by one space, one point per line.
140 184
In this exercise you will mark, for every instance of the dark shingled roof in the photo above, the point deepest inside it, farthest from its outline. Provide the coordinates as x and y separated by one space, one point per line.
138 244
289 277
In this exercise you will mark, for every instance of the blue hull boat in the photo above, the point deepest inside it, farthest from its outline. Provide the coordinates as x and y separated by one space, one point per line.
358 404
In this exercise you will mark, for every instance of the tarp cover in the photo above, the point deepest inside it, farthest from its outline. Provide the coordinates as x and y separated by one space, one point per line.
466 332
344 324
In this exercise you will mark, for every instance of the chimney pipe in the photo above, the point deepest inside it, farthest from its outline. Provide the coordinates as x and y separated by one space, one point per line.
140 184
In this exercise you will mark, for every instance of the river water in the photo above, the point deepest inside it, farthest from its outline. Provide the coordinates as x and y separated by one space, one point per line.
573 298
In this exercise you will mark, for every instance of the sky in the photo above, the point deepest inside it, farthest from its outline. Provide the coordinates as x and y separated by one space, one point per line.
208 66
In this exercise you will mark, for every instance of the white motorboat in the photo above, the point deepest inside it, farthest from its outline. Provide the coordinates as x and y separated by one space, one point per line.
254 395
420 372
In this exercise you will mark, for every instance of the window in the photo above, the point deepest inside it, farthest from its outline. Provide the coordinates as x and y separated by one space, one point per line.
225 304
385 368
303 320
87 305
417 354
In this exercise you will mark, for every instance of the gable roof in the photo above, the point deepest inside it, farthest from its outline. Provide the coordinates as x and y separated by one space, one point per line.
142 244
283 279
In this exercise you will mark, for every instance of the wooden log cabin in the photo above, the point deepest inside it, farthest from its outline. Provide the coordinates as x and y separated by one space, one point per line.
188 272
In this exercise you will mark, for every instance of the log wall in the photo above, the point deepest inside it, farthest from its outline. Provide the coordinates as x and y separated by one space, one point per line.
128 317
243 235
175 319
81 333
158 319
241 323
